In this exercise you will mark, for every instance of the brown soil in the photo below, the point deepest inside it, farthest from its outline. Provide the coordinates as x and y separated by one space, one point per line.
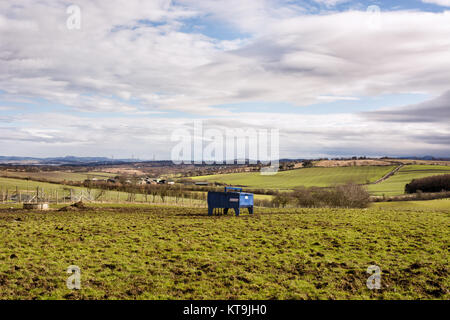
76 206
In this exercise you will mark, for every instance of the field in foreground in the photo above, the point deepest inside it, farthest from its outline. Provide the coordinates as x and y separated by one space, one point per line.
142 252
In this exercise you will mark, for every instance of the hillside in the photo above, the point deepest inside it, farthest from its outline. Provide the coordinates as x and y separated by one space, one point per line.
142 252
308 177
395 185
55 176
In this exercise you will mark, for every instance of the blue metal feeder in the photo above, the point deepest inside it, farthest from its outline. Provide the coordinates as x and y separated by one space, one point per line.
232 198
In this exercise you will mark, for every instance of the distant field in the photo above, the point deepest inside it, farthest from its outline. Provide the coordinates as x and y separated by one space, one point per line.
308 177
395 185
57 176
440 204
10 184
377 162
142 252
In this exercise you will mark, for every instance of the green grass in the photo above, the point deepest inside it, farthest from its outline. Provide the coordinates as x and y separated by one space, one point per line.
439 204
50 189
308 177
395 185
143 252
10 184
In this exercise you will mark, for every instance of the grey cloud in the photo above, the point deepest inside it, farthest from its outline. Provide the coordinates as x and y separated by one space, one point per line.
438 139
432 111
300 135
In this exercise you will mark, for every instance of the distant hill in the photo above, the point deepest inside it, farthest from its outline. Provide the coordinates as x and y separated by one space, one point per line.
61 160
424 158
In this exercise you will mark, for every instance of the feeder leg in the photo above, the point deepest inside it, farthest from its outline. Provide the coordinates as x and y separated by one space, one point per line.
250 210
210 211
225 211
236 210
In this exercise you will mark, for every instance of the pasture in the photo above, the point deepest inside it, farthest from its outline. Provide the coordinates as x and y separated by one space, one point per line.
62 192
395 185
308 177
438 204
151 252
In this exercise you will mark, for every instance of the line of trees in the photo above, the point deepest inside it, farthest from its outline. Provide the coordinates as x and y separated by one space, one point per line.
349 195
153 190
439 183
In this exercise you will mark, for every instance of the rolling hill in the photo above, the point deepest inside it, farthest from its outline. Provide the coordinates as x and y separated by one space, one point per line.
308 177
395 185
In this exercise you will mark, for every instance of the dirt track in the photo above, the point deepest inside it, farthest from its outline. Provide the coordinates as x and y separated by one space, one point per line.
389 174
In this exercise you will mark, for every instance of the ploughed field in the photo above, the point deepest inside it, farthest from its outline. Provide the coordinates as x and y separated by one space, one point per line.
149 252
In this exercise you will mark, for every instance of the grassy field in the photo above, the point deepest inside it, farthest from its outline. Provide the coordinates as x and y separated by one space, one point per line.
439 204
308 177
24 185
395 185
143 252
50 189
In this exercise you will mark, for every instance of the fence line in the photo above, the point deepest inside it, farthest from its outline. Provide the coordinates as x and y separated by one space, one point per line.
68 196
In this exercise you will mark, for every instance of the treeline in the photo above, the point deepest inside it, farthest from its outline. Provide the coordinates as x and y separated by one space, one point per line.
414 197
154 190
342 196
439 183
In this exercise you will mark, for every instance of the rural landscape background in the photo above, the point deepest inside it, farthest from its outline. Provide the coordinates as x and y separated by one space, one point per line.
119 123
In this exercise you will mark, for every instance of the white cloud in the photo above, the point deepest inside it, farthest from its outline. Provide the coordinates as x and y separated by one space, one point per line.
136 59
301 135
444 3
290 58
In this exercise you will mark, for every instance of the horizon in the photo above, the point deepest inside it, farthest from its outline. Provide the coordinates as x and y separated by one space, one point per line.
136 159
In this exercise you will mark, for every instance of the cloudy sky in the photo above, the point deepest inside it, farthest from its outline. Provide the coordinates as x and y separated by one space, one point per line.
336 77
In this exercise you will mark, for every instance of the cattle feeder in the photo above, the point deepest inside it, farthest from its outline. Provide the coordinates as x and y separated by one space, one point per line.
232 198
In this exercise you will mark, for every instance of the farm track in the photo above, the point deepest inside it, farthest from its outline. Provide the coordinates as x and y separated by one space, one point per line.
390 174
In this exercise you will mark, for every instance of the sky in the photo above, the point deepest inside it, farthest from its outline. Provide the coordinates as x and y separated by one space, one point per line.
117 79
